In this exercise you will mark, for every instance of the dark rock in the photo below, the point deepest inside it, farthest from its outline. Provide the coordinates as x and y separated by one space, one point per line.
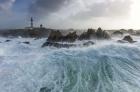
88 43
100 34
122 41
71 37
55 36
7 40
117 33
88 35
37 38
106 35
45 89
68 45
26 42
58 45
131 32
138 33
123 30
91 33
129 39
36 32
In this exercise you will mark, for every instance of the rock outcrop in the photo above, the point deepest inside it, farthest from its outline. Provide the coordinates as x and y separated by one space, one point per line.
58 45
66 45
122 41
7 40
26 42
131 32
117 33
91 33
46 89
88 35
34 33
57 36
129 39
101 34
71 37
88 43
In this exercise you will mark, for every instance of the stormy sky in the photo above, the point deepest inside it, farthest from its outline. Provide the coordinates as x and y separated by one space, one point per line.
109 14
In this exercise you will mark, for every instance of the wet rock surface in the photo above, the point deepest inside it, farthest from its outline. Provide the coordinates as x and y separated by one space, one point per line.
117 33
26 42
94 34
58 45
88 35
7 40
30 33
57 36
88 43
66 45
45 89
101 34
129 39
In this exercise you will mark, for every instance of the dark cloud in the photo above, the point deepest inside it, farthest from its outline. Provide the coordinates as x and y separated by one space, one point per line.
44 7
73 9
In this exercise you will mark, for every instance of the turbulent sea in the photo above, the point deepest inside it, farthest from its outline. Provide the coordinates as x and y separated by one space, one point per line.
107 66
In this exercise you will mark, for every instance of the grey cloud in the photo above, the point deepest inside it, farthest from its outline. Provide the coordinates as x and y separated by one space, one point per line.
44 7
119 7
72 8
5 5
106 9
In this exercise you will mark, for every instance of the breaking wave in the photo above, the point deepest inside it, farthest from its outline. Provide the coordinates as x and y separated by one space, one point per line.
104 67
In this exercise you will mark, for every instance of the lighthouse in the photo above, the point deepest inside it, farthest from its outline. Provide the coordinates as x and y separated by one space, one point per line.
32 22
31 26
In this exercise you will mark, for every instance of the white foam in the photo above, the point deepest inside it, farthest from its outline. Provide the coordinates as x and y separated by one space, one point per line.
107 66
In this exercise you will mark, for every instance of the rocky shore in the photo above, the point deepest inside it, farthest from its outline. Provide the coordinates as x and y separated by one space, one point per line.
26 33
56 36
66 39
